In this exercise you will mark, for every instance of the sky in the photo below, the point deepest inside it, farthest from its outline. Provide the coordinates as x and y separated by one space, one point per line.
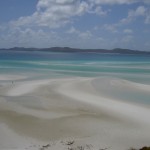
75 23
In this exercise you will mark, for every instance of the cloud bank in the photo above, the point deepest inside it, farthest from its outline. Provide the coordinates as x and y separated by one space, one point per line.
56 13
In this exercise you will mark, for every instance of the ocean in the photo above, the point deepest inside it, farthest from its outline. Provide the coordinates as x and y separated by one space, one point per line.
128 75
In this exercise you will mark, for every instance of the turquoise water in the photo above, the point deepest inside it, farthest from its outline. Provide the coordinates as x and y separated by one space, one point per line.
133 68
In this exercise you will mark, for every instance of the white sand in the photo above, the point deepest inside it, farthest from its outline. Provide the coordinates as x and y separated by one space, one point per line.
26 87
11 77
35 113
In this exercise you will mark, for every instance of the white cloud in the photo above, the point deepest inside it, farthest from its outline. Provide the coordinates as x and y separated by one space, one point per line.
147 19
110 2
85 35
133 14
99 11
53 13
128 31
119 2
141 11
80 34
56 13
111 27
28 37
72 30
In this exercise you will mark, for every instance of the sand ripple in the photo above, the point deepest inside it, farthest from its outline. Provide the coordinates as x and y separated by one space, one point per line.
88 109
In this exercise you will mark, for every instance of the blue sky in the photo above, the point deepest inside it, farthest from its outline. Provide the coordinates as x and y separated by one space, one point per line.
75 23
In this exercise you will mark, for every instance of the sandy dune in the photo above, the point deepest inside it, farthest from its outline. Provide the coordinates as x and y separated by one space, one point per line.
34 113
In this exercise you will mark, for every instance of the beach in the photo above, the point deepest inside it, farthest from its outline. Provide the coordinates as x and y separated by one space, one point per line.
74 74
53 111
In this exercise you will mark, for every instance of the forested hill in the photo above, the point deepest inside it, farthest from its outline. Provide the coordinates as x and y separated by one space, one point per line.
77 50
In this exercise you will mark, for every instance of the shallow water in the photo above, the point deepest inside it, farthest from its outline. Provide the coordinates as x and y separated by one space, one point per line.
130 68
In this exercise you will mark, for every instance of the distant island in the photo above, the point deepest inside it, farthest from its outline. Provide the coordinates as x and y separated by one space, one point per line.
78 50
